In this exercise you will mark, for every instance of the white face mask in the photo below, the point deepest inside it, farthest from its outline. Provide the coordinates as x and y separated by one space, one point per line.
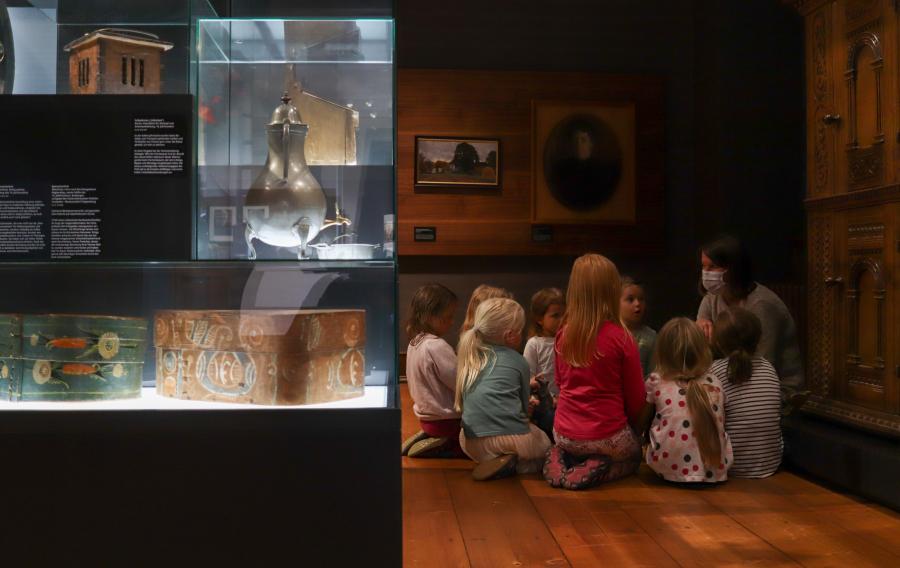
712 281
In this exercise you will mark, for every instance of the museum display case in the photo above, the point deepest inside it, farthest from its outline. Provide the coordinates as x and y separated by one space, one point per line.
331 81
98 47
151 351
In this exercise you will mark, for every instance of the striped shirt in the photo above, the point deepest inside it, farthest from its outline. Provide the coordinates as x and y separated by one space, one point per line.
753 419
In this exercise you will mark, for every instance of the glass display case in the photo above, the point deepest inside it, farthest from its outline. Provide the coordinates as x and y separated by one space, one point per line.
332 82
162 382
290 239
97 46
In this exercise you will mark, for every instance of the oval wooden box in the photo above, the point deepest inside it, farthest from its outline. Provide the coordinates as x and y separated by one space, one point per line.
278 357
71 357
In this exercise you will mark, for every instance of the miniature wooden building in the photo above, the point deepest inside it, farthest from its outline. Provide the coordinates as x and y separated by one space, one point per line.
116 61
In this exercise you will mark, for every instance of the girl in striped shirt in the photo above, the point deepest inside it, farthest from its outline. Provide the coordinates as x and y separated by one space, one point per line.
752 394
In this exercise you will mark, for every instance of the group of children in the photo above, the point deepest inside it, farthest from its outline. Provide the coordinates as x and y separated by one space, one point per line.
595 392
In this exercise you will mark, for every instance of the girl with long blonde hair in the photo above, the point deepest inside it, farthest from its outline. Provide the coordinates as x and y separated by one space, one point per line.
688 442
492 393
601 388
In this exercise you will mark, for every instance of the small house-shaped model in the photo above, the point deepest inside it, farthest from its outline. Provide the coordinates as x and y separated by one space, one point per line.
116 61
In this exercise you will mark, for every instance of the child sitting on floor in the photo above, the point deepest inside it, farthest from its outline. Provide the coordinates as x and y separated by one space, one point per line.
547 308
688 442
492 391
752 394
480 294
633 306
601 388
431 374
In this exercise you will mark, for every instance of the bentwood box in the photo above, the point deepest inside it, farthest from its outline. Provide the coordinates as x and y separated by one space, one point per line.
71 357
279 357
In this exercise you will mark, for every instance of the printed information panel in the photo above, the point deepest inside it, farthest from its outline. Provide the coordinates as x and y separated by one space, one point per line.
95 177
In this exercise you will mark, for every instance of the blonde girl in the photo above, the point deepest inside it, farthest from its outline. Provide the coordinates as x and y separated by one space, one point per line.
480 294
431 373
601 389
492 392
688 442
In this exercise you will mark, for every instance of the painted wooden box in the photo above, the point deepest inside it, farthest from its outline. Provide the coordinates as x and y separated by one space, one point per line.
277 357
71 357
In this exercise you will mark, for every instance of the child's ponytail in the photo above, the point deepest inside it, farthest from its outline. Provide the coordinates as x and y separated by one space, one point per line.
736 335
472 356
682 354
705 426
493 318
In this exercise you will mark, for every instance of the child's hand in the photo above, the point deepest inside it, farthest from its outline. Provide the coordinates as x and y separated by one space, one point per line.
533 403
706 327
536 381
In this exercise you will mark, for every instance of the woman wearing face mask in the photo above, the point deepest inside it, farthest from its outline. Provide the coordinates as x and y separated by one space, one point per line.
727 281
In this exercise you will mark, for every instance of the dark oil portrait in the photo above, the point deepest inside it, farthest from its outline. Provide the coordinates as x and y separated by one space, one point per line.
582 162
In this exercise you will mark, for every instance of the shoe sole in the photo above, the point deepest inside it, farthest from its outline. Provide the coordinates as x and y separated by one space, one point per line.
412 441
423 447
497 468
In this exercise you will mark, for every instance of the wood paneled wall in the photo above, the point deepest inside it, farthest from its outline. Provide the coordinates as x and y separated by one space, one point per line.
498 104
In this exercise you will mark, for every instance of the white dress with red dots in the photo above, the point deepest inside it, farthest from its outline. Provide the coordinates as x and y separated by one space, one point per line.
673 452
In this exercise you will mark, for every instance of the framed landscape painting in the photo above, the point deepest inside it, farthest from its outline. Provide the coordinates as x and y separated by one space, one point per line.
451 162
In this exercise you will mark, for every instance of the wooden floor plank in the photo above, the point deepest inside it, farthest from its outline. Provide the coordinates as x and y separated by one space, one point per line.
500 525
431 535
701 535
597 533
805 534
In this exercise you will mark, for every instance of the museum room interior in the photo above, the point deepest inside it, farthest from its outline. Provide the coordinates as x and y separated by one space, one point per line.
471 283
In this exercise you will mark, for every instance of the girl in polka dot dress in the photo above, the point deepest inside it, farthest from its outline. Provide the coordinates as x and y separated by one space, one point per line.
688 442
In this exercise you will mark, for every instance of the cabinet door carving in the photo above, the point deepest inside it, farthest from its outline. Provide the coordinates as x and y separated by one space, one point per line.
865 311
822 119
822 292
865 116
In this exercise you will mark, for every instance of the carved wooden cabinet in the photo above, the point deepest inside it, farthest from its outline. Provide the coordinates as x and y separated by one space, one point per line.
853 204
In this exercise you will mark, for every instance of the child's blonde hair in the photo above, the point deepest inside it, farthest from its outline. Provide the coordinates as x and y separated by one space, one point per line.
540 303
682 354
480 294
592 298
493 318
428 301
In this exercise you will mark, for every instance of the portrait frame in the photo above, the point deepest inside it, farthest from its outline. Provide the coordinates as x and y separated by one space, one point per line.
616 117
429 148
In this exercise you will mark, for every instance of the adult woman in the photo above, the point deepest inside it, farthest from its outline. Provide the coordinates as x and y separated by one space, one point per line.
727 281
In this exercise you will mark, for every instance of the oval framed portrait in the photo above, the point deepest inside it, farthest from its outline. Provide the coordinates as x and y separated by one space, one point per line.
582 161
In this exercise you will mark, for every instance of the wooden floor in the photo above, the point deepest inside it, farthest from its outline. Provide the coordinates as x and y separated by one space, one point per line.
785 520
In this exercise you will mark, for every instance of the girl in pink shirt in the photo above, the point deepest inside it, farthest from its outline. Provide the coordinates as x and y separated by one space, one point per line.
601 387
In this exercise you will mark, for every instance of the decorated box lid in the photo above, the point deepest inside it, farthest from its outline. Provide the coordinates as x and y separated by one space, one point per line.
261 331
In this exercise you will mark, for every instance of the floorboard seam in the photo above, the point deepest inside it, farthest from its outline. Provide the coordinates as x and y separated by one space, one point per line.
751 531
650 536
456 516
544 521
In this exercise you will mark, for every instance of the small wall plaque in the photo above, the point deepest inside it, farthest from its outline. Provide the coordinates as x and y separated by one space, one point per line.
425 234
542 233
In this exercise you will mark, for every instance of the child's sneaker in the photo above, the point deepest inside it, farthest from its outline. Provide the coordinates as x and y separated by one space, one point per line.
429 448
586 474
409 442
555 467
497 468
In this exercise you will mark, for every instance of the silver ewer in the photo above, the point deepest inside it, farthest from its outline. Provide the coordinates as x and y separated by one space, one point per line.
286 206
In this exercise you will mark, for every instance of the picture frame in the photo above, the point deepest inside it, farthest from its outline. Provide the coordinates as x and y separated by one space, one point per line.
457 162
584 162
